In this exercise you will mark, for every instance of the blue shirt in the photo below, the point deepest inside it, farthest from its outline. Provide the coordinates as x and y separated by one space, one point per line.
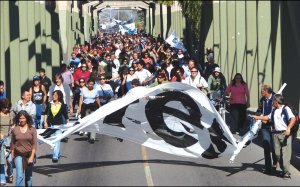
2 95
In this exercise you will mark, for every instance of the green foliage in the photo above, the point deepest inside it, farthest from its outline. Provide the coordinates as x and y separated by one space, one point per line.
192 12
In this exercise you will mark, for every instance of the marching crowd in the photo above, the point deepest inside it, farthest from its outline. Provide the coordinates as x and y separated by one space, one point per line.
106 69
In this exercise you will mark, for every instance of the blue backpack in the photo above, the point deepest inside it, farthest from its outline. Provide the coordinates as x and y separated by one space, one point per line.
285 115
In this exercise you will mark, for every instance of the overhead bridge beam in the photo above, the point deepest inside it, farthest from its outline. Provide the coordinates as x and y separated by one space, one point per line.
123 4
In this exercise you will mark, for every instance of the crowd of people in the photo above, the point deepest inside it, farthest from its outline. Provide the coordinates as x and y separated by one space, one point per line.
106 69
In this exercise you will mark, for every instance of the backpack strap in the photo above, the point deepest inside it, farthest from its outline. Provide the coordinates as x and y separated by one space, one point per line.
272 115
286 116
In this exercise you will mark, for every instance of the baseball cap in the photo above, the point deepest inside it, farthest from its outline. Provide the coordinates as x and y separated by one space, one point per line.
36 78
217 69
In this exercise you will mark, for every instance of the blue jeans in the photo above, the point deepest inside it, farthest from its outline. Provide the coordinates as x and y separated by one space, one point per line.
19 172
2 174
5 161
9 166
268 146
56 150
38 116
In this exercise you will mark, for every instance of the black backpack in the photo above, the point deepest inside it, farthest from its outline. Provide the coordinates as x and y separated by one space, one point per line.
284 113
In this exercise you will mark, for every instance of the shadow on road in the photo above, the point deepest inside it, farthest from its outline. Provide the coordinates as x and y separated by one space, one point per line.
58 168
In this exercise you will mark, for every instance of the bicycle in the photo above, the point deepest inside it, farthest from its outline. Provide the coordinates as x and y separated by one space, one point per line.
220 103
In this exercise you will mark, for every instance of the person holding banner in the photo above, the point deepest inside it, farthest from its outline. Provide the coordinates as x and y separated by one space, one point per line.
265 108
56 115
282 133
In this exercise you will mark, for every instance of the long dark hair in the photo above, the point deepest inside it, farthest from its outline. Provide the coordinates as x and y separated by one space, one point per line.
233 82
60 96
29 119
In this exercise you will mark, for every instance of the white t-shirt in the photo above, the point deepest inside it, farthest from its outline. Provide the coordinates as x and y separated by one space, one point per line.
115 70
279 122
197 80
117 53
169 69
89 96
143 75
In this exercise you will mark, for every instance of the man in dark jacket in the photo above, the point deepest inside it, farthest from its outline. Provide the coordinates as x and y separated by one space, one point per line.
265 108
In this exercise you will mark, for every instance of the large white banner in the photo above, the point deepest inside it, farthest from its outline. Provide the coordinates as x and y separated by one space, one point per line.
175 118
175 42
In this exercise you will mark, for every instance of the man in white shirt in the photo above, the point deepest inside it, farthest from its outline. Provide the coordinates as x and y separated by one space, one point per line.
115 69
25 103
143 75
282 132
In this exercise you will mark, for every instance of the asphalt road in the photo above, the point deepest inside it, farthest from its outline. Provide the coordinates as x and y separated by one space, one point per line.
109 162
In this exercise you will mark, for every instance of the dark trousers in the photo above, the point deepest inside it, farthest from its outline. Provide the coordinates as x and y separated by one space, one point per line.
86 110
269 151
76 96
238 113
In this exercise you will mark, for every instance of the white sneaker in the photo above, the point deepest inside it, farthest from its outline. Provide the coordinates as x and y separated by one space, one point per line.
3 183
80 133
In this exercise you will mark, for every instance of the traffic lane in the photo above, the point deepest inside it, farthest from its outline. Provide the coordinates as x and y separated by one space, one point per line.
108 162
246 170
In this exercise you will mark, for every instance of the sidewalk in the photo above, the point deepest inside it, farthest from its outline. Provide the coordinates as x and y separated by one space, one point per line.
295 161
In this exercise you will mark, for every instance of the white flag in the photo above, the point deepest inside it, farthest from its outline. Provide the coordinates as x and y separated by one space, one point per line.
175 42
174 117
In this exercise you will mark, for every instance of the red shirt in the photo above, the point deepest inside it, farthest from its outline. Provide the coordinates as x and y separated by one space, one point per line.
80 74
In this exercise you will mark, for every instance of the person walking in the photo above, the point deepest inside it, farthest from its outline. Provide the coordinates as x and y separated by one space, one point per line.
25 103
46 81
217 84
282 132
89 102
143 75
196 80
56 115
23 147
6 125
65 90
239 100
38 97
265 108
105 91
